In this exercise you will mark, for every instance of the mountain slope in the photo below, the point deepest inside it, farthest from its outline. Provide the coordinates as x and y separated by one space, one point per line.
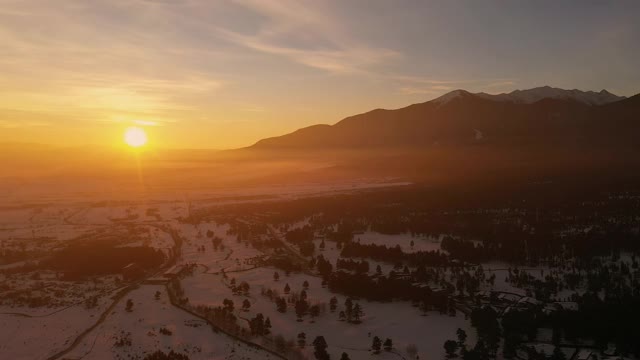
461 118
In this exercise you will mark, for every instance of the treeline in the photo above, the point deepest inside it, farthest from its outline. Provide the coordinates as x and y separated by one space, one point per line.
394 254
81 260
522 224
303 239
388 289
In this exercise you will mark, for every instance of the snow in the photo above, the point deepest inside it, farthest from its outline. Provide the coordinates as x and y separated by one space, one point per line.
39 336
398 320
531 96
190 335
448 97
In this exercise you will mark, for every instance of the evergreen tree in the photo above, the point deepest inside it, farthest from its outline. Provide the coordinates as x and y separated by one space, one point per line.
267 326
314 311
302 339
357 313
388 344
301 309
348 308
462 338
333 304
129 306
320 348
376 345
450 347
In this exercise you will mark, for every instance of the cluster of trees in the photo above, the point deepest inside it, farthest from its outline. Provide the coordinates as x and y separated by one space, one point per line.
361 266
388 289
394 254
89 259
377 345
352 311
161 355
612 319
259 325
324 266
303 239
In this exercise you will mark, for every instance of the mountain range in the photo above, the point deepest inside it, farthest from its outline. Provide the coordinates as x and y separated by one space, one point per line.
531 132
543 116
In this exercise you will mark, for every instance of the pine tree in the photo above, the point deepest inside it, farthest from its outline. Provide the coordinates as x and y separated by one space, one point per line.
246 304
302 339
388 345
376 344
320 347
357 313
301 308
267 326
348 308
129 306
314 311
462 337
333 304
450 347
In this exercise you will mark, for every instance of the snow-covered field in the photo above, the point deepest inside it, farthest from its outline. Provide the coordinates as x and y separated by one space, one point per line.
398 320
155 324
29 334
138 332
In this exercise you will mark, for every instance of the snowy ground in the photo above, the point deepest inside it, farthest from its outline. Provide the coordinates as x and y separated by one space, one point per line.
44 330
140 330
399 320
39 334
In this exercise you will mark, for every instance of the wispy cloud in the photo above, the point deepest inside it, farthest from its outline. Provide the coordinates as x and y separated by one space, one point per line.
308 34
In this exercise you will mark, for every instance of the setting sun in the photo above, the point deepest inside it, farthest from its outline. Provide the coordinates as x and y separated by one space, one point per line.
135 137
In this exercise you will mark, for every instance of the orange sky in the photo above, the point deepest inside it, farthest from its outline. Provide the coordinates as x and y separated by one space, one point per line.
224 74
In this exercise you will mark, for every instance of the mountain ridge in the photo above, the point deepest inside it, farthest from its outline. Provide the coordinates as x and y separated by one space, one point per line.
457 117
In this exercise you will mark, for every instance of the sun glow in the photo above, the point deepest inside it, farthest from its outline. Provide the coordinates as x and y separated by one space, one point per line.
135 137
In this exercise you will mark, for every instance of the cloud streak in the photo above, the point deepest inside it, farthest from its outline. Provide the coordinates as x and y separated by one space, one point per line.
326 45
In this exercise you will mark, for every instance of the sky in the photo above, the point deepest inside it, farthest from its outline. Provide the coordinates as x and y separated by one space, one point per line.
224 74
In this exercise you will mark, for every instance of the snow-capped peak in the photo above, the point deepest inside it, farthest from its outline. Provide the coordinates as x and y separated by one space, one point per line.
546 92
450 96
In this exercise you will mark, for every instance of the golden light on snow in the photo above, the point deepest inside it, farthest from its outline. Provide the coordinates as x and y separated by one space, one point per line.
135 137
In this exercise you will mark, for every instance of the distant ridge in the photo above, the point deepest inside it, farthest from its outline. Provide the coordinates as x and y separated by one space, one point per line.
541 116
546 92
